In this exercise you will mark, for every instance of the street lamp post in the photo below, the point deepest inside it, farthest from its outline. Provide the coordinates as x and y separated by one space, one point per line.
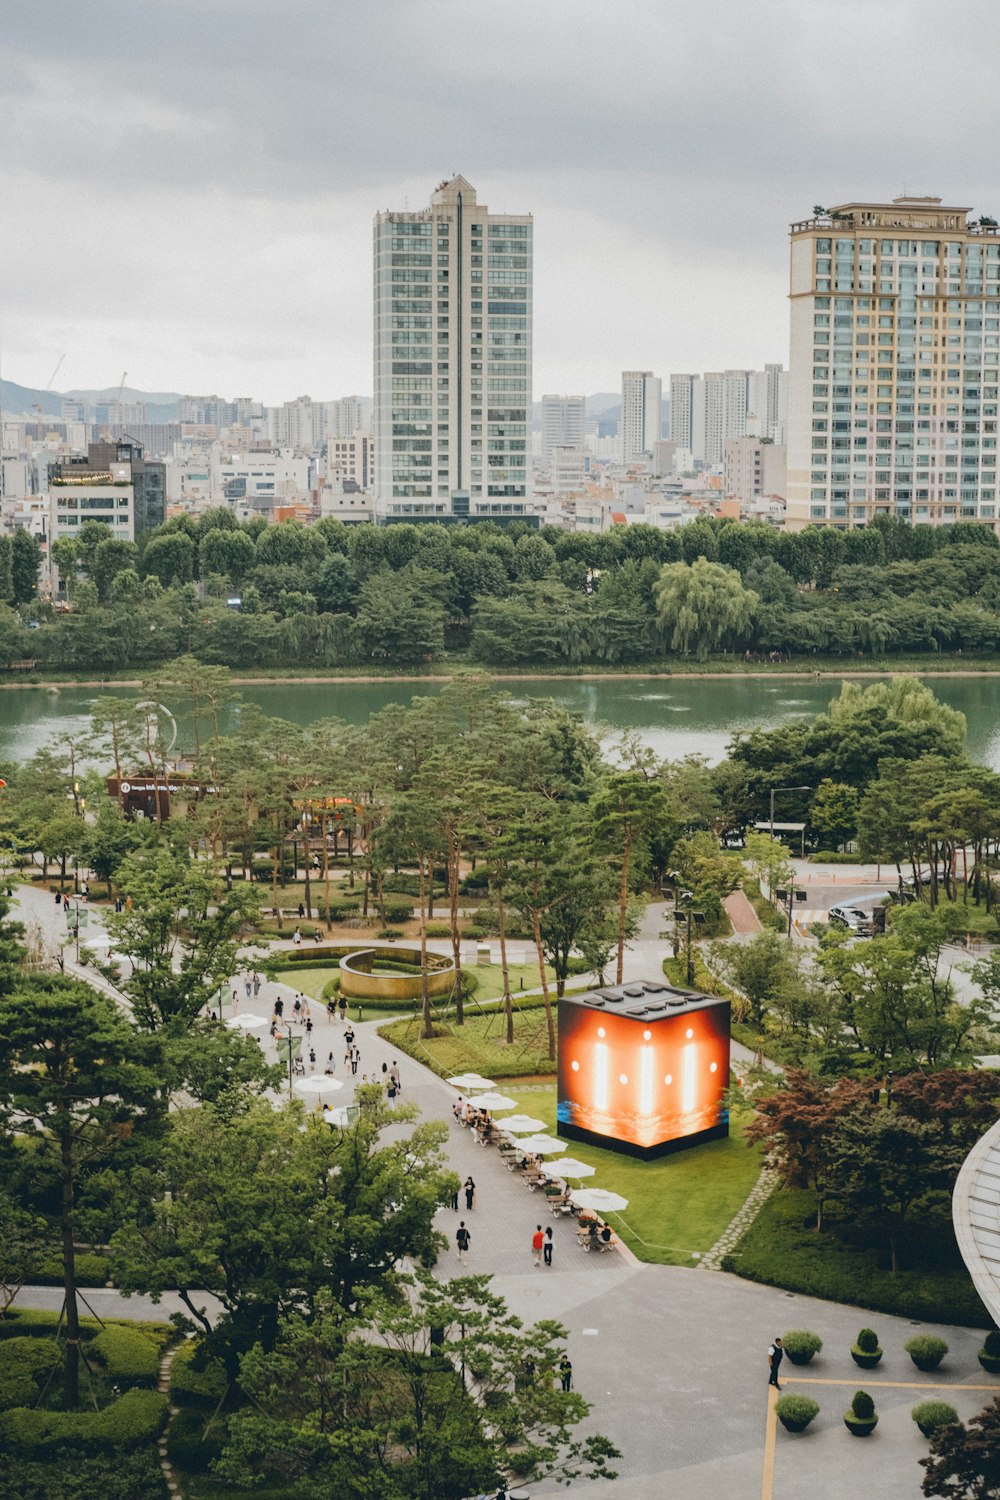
684 916
786 899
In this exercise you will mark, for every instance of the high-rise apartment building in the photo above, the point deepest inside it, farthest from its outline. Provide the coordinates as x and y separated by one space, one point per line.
681 410
299 424
348 415
453 295
564 423
893 388
641 419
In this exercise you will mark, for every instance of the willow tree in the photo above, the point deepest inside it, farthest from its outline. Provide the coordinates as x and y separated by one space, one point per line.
703 607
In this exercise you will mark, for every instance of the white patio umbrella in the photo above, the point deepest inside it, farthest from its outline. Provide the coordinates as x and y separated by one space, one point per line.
600 1200
248 1022
541 1145
339 1116
569 1166
492 1101
520 1125
467 1081
316 1083
97 940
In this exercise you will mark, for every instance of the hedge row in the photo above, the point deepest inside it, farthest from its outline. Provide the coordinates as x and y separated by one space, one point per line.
135 1419
91 1270
129 1355
35 1323
75 1475
25 1365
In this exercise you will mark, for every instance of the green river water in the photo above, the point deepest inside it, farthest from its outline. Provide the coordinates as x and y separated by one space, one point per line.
677 716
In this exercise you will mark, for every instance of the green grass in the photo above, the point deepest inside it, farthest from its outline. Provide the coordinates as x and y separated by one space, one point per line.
781 1248
678 1205
478 1044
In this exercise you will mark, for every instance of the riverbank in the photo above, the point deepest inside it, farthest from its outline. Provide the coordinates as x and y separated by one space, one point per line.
802 669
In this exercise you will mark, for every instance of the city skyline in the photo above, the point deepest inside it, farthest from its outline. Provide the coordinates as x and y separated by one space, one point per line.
211 230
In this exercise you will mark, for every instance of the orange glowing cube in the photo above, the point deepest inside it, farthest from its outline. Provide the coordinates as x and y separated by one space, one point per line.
643 1068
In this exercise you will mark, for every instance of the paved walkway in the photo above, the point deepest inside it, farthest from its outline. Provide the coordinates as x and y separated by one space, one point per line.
672 1360
741 913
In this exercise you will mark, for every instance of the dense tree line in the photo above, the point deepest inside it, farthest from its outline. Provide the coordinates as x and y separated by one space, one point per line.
332 595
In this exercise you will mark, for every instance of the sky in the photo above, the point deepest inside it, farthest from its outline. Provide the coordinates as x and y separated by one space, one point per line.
188 185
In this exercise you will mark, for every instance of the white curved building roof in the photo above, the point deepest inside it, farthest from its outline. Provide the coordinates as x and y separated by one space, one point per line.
975 1210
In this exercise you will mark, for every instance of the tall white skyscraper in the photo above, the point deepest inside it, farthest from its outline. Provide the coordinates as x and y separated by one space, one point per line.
348 415
893 383
564 423
453 295
707 410
642 398
681 409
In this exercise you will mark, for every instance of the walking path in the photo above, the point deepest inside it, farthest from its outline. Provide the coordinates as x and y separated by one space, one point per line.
741 913
672 1361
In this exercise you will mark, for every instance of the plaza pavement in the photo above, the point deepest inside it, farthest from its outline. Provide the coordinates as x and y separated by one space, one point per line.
673 1360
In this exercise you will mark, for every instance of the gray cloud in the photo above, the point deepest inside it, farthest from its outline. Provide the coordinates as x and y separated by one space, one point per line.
189 186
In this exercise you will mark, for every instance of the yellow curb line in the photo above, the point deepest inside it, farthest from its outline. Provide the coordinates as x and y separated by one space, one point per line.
770 1437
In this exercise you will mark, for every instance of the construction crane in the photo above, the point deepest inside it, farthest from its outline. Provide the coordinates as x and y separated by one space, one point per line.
38 404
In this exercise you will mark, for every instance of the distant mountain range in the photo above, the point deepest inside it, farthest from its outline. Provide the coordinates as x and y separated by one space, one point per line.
22 400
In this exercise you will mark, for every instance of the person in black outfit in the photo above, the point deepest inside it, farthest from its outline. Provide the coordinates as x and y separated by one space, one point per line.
547 1247
470 1193
566 1373
774 1358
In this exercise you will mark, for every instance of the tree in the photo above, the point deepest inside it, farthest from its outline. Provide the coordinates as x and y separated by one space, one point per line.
170 557
246 1205
629 810
74 1074
434 1391
797 1122
964 1461
26 558
111 557
21 1247
764 970
833 813
703 606
396 622
180 934
884 1162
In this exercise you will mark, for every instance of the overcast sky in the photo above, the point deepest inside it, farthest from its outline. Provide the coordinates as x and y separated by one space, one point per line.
188 185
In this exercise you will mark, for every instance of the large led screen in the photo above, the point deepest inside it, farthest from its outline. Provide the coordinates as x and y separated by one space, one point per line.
645 1072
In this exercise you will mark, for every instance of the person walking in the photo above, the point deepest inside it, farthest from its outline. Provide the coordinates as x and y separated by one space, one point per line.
355 1059
454 1196
390 1092
566 1373
462 1241
309 1025
312 1060
248 986
256 985
296 937
279 1007
394 1074
470 1193
774 1357
343 1007
331 1066
537 1243
547 1247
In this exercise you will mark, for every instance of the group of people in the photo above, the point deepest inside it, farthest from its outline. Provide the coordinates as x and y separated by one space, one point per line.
479 1120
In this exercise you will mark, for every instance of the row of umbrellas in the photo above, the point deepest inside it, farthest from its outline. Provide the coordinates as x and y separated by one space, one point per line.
525 1128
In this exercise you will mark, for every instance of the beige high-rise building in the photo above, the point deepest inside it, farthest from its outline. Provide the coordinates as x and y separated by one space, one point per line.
893 381
641 421
453 297
753 466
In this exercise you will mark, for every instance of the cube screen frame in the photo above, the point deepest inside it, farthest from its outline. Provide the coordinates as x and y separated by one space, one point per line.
643 1068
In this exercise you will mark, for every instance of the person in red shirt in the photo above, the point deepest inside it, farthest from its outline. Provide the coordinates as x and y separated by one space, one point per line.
537 1241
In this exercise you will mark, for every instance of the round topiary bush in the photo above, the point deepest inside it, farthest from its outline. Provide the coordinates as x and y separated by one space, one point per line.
989 1354
795 1412
930 1415
866 1351
926 1350
800 1345
860 1418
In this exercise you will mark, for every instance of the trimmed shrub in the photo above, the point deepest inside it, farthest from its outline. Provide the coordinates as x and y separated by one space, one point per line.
40 1324
390 932
25 1363
194 1382
129 1357
91 1270
860 1418
81 1476
795 1412
930 1415
866 1351
926 1350
135 1419
800 1345
989 1354
187 1445
397 911
437 930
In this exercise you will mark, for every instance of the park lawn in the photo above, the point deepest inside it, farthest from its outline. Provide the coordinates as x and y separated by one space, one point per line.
478 1045
679 1205
307 981
781 1248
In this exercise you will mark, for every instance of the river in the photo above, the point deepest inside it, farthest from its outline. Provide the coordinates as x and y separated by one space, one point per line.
677 716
